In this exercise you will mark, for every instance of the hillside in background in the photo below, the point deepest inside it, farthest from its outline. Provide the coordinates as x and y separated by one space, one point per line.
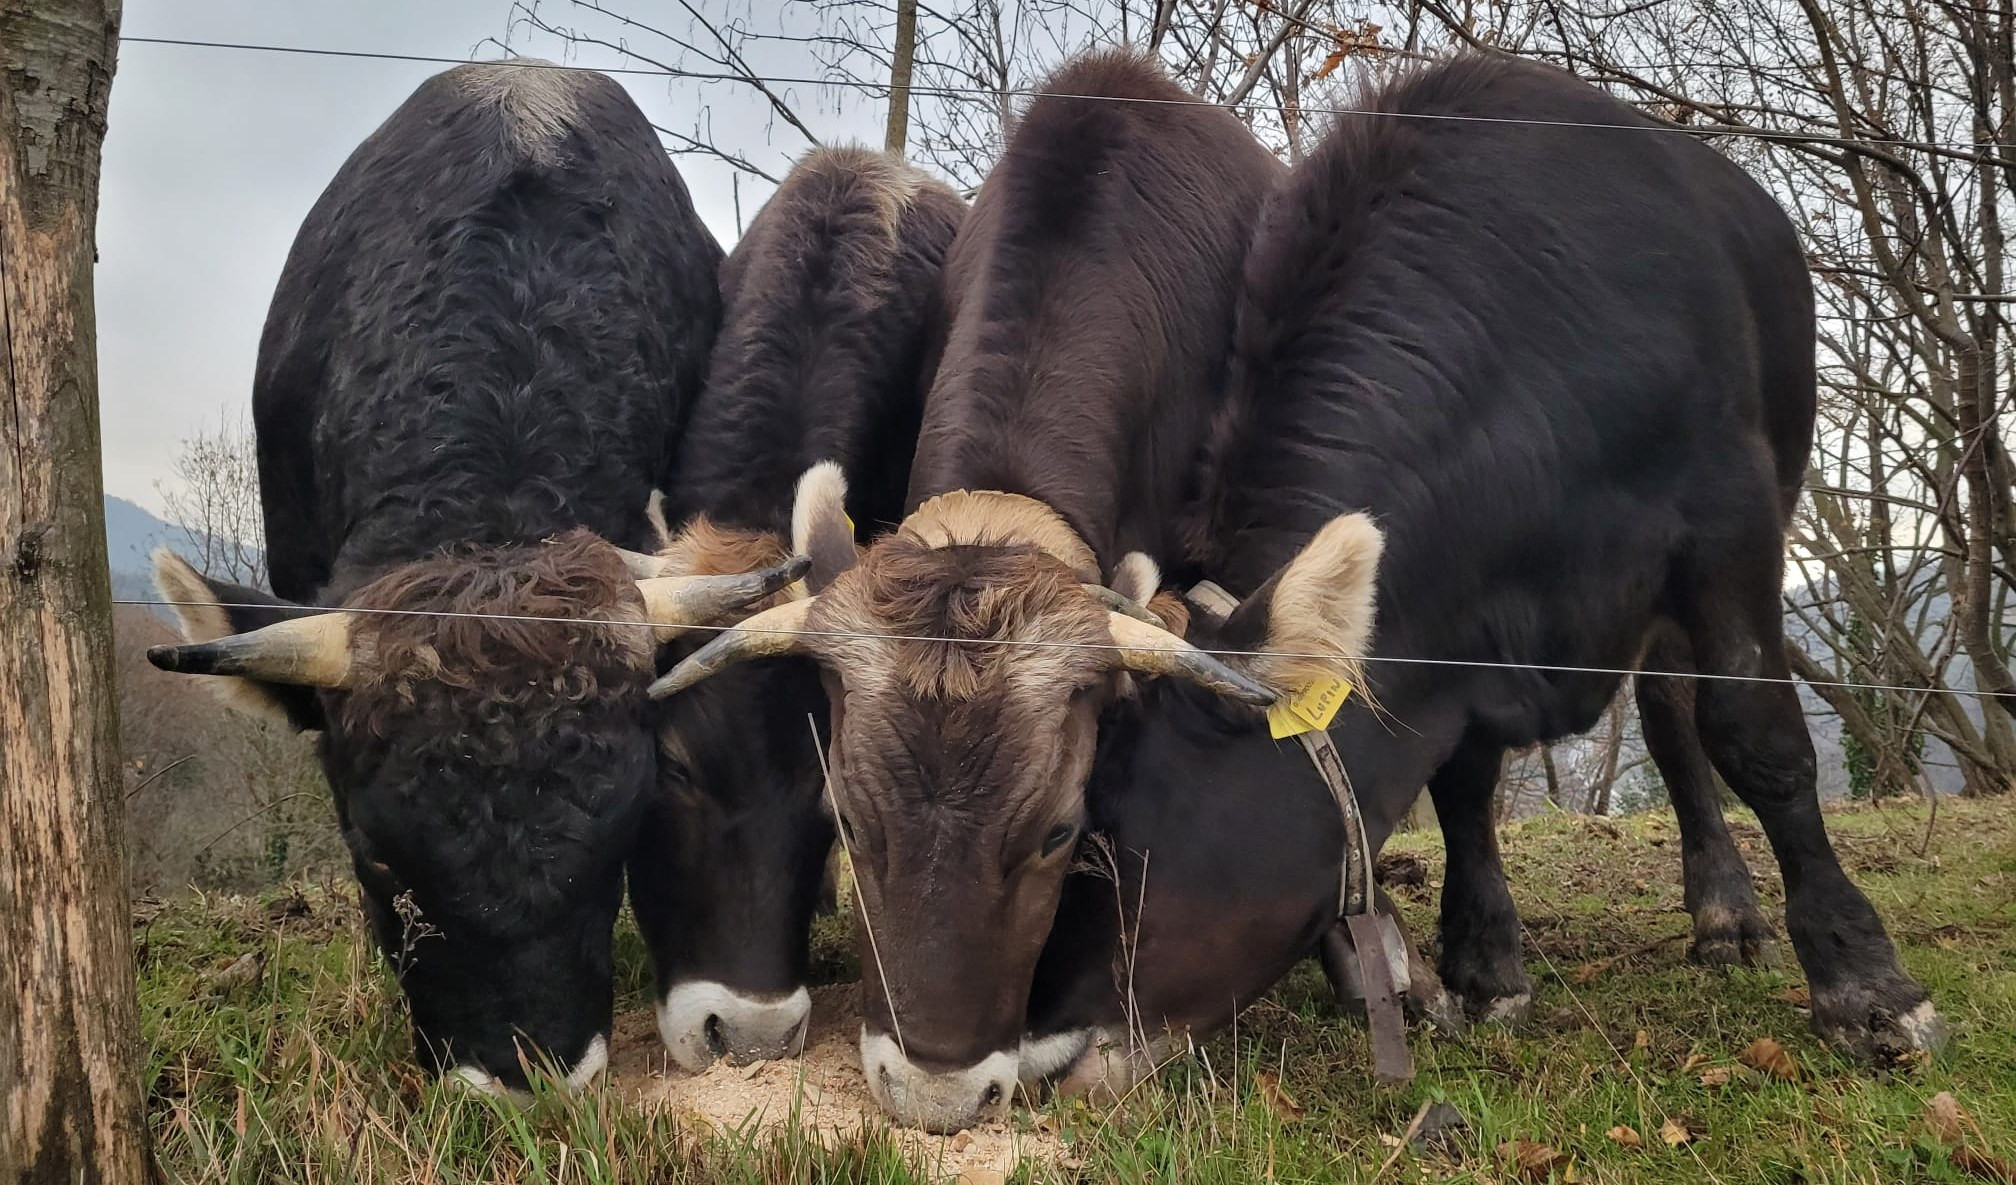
132 532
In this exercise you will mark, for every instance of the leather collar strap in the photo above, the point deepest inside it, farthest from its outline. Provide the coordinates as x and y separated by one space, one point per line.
1354 890
1375 938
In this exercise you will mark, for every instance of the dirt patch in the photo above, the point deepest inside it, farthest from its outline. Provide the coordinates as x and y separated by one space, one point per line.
824 1092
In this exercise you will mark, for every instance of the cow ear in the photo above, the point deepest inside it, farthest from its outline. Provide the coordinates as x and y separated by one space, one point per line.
820 528
206 610
1314 618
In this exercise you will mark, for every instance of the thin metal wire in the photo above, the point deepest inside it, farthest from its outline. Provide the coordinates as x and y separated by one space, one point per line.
1030 92
848 635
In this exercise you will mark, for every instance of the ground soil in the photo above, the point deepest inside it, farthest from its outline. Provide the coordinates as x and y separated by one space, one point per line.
823 1092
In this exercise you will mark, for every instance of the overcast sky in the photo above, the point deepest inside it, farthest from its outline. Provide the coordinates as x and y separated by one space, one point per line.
214 156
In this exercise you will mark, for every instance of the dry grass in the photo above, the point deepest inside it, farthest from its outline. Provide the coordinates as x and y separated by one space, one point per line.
299 1072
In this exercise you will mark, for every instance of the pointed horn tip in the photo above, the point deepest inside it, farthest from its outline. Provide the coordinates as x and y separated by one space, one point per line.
667 685
1253 694
789 571
168 657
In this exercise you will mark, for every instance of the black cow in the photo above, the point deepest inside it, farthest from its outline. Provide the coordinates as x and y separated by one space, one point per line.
484 340
819 360
1569 370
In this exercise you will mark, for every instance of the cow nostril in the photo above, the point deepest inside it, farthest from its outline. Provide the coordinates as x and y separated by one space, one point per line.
716 1043
992 1095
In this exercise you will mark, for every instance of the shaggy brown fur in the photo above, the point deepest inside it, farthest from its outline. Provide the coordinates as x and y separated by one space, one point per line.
514 664
978 595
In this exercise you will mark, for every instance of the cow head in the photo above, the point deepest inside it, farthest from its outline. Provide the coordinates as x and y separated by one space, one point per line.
488 768
967 658
726 883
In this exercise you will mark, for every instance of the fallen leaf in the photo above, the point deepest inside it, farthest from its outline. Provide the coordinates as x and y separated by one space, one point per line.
1693 1060
1984 1166
1625 1135
1943 1116
1643 1041
1675 1133
1718 1076
1278 1100
1534 1161
962 1141
243 970
1588 973
1771 1058
981 1177
1798 997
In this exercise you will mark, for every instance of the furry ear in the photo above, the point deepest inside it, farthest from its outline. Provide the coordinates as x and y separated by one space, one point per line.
654 510
1316 615
207 610
1139 579
820 529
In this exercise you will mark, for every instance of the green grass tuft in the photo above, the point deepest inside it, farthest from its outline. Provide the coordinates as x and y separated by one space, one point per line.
277 1049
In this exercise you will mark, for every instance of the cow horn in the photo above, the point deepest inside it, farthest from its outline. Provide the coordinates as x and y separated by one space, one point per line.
304 651
1120 602
674 602
644 566
768 634
1155 651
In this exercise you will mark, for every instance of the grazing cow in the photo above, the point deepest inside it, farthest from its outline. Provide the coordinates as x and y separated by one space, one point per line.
483 342
819 359
1570 373
1087 313
1569 370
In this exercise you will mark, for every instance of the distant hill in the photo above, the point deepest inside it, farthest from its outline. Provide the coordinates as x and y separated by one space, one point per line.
132 532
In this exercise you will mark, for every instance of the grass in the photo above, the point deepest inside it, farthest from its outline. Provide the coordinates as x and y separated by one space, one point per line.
300 1072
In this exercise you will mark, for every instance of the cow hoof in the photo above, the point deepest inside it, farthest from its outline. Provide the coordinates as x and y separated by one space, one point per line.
1847 1020
1733 937
1511 1011
1443 1010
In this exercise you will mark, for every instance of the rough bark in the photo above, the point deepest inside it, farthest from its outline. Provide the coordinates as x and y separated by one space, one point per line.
70 1108
904 55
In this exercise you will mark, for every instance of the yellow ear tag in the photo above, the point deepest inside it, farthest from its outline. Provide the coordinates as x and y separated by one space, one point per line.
1310 709
797 591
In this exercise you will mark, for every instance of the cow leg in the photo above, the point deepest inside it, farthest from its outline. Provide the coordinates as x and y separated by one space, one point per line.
1481 958
1425 997
1729 929
1755 734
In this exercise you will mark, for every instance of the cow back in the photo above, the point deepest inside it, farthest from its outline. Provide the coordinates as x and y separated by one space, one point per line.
487 332
1087 304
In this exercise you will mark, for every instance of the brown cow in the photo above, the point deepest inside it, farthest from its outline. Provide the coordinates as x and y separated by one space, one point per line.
1086 317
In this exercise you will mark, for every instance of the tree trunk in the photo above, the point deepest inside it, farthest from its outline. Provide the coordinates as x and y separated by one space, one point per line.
899 76
1553 776
70 1108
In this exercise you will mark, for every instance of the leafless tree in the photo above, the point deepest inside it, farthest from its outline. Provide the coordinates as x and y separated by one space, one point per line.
214 502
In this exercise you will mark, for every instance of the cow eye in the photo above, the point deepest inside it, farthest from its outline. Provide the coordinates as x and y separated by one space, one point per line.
1059 835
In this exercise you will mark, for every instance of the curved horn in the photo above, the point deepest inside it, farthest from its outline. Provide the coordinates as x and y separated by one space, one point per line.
674 602
1156 651
1120 602
643 566
306 652
768 634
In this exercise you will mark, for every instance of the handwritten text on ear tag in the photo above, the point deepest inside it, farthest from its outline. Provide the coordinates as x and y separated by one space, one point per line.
1310 709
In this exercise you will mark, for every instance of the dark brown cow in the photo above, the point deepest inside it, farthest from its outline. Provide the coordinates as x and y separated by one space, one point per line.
818 367
1087 312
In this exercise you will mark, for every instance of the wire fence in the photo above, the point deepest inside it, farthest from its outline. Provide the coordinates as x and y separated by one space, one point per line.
1026 92
943 91
1035 643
